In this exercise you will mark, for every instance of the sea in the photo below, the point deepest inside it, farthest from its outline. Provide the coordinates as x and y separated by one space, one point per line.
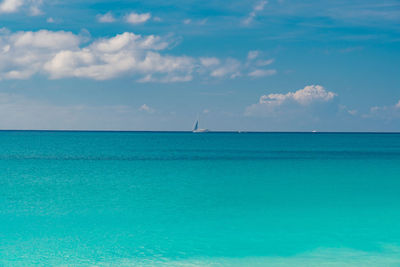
70 198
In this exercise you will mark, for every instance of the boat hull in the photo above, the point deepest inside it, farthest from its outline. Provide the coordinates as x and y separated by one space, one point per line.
201 131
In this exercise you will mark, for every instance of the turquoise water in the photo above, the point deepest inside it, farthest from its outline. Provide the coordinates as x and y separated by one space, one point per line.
183 199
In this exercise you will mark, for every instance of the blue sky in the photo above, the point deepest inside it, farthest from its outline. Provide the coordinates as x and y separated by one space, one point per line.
275 65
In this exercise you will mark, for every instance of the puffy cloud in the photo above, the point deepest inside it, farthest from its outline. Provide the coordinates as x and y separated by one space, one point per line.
60 54
299 100
262 73
303 96
136 18
12 6
44 39
106 18
398 104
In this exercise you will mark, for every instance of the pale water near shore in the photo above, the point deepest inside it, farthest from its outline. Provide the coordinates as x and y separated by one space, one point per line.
183 199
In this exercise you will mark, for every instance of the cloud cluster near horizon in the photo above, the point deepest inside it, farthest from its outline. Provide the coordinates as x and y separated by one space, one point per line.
386 113
300 99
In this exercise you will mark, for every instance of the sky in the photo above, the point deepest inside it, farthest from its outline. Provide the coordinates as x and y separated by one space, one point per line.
276 65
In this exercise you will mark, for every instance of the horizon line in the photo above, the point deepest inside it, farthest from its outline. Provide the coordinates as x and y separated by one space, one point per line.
189 131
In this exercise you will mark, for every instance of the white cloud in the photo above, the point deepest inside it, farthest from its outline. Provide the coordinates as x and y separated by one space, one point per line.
209 61
303 96
136 18
265 62
230 68
262 73
344 108
158 19
256 9
10 6
253 54
35 9
106 18
50 20
44 39
60 54
298 100
260 6
146 109
196 22
384 113
352 112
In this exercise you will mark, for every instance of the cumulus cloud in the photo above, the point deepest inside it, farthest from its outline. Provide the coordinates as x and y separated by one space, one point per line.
136 18
106 18
256 9
60 54
12 6
303 96
272 103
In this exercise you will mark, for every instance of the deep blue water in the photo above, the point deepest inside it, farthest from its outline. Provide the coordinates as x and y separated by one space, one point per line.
215 199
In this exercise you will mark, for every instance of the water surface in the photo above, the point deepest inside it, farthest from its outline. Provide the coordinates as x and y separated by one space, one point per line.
215 199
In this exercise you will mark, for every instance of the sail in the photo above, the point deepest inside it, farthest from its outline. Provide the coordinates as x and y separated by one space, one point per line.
196 125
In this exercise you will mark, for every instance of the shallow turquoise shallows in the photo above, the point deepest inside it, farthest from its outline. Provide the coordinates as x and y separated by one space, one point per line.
184 199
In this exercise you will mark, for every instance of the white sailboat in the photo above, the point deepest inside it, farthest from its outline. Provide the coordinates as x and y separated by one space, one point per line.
196 128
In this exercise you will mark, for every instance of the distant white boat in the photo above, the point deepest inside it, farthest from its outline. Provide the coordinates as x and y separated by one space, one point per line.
196 128
313 131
